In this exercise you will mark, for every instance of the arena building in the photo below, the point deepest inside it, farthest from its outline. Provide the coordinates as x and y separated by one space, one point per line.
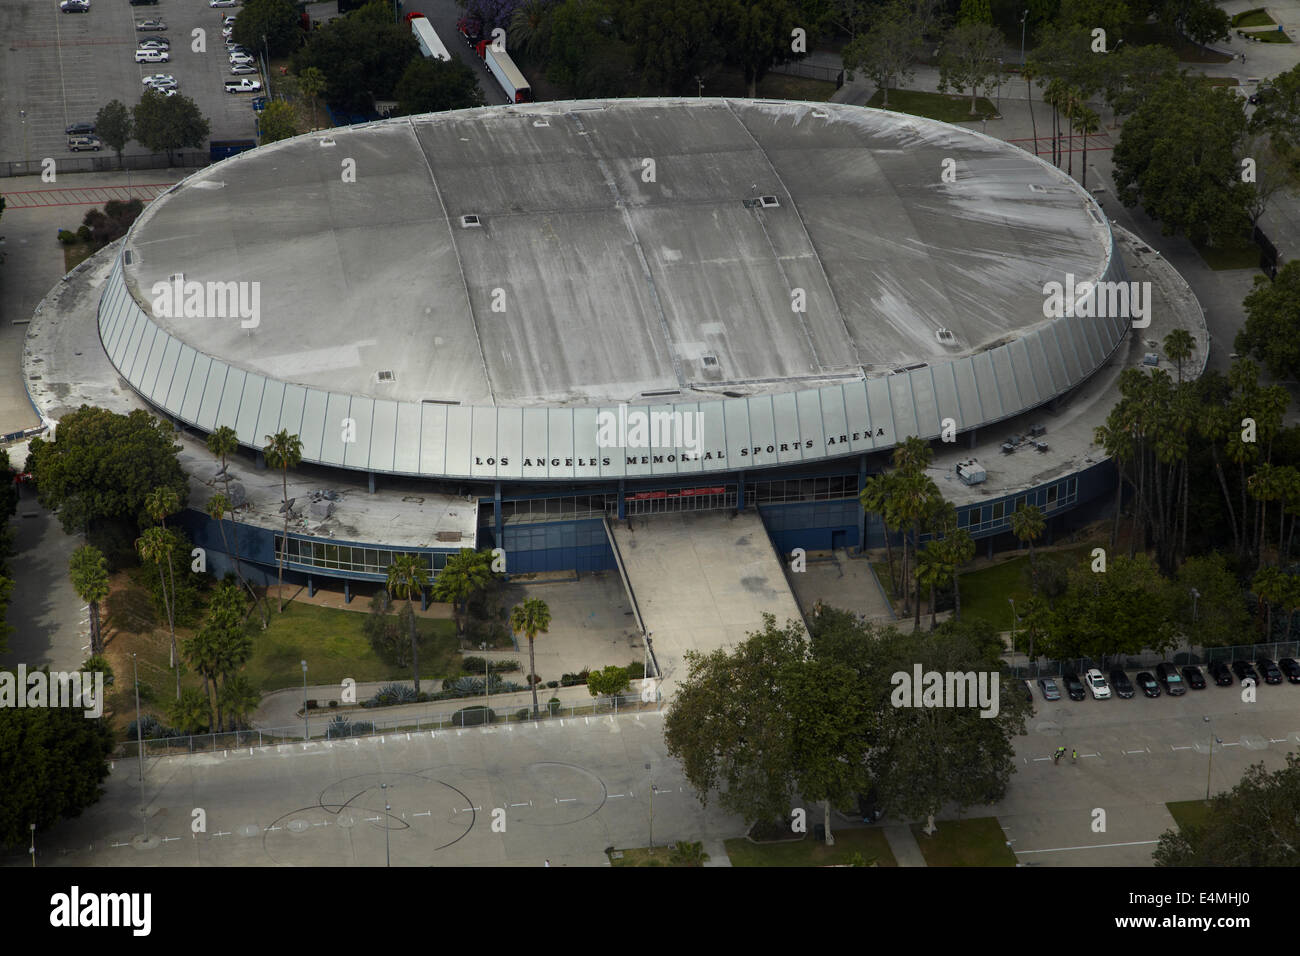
520 326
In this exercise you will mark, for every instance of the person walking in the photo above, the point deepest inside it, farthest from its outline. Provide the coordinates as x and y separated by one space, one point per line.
1060 752
1074 755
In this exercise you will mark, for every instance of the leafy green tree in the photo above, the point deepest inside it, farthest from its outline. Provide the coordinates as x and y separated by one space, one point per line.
608 682
283 451
466 574
1128 608
6 592
730 727
1201 21
581 43
969 58
1113 16
101 465
274 23
1271 333
531 27
408 576
89 573
758 36
52 762
689 853
362 57
386 634
433 86
1253 824
531 618
311 83
1217 616
278 121
113 126
164 124
1028 524
1133 72
675 41
221 646
886 52
1177 156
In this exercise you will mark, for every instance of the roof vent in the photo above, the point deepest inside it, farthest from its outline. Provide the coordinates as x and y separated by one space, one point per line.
945 336
470 222
386 375
710 360
327 141
541 123
1035 188
768 202
448 535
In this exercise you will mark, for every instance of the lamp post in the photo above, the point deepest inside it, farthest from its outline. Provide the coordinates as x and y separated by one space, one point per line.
652 811
1196 596
139 736
32 851
999 85
1023 19
22 115
383 788
306 732
1210 765
487 678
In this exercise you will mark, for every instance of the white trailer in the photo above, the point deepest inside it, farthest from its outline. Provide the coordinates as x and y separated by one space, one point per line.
427 37
507 75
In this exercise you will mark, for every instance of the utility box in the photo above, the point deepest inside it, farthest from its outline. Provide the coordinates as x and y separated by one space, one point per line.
971 472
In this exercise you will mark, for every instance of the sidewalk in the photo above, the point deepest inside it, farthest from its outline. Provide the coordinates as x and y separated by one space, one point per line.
903 845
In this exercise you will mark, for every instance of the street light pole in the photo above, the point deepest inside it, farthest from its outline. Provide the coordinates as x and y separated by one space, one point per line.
652 811
306 732
1210 765
1023 20
32 851
388 860
139 736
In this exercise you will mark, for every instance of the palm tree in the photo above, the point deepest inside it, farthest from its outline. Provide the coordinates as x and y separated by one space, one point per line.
238 698
1027 524
218 505
201 654
961 548
876 497
89 573
911 501
933 567
157 544
1086 121
224 442
189 713
283 451
531 618
1271 586
312 83
1029 71
407 575
1214 425
1179 345
464 575
530 27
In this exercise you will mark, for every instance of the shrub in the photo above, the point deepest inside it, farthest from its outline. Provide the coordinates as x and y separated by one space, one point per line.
334 703
522 714
311 704
554 705
472 665
552 684
66 237
472 716
465 686
83 234
635 670
151 728
533 679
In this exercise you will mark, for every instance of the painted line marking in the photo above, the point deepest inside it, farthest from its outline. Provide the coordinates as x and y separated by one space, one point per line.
221 833
566 799
1180 748
528 804
1136 751
426 813
268 829
1099 846
119 844
169 839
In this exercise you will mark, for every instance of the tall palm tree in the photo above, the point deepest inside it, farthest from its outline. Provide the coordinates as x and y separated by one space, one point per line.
311 82
158 504
1029 71
408 576
224 442
531 618
218 505
1214 425
1086 122
89 573
464 575
876 498
1028 525
933 567
1179 345
530 27
155 545
1271 586
283 451
238 699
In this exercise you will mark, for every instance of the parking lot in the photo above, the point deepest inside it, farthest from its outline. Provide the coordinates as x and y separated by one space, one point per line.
62 67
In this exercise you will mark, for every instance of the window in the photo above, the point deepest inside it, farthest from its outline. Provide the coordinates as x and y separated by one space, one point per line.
998 510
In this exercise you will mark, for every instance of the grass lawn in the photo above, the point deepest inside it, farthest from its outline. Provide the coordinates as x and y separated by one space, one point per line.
334 647
1253 18
1272 36
977 842
1235 257
1219 80
644 856
75 254
1189 813
870 843
939 106
1140 34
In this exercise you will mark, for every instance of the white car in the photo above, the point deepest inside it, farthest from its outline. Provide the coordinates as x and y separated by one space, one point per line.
237 58
228 20
152 56
154 43
222 3
226 31
242 69
1097 684
154 79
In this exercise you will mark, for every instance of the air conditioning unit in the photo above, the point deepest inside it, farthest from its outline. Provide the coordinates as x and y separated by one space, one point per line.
971 472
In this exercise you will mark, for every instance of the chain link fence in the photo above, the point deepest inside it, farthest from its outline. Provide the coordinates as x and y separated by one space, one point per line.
1149 659
324 725
106 162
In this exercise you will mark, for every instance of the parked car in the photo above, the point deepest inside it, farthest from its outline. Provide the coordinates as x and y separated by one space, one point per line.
1120 682
153 43
1073 686
245 84
155 78
1049 688
153 23
1291 668
75 6
1260 95
1170 680
242 69
143 3
152 56
228 20
241 58
1219 671
77 143
1097 684
1245 672
222 3
80 129
1195 679
1148 684
1027 691
1269 670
